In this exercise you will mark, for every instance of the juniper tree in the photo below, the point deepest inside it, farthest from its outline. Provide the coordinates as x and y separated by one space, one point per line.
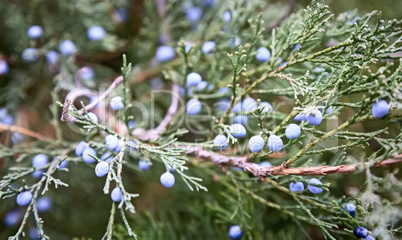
261 126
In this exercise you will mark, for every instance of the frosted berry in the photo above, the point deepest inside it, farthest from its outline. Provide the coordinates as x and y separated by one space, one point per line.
24 198
143 165
266 107
167 179
313 188
87 73
116 195
37 174
193 79
116 103
242 119
194 14
292 131
63 164
34 32
33 233
380 109
351 208
207 47
300 117
274 143
296 187
360 232
369 237
111 142
52 57
237 130
67 47
40 161
86 155
12 218
226 16
96 33
119 146
91 116
263 54
237 107
101 169
223 90
165 53
202 85
249 104
315 117
3 67
132 145
30 54
221 141
222 105
235 232
79 149
43 204
193 107
265 164
107 157
256 143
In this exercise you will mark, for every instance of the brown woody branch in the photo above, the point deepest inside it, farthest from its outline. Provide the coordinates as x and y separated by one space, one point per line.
258 171
27 132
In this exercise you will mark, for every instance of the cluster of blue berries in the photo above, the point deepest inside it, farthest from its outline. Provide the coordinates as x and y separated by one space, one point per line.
312 186
257 142
362 233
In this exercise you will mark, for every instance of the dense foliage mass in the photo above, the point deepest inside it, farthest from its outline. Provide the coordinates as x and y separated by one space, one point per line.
198 120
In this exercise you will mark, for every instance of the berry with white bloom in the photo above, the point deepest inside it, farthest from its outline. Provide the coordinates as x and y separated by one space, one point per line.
111 142
256 143
165 53
96 33
292 131
86 155
67 47
193 107
143 165
116 103
266 107
24 198
314 189
167 179
380 109
296 187
275 143
35 32
193 79
235 232
116 195
101 169
79 149
221 141
263 54
315 117
207 47
237 130
3 67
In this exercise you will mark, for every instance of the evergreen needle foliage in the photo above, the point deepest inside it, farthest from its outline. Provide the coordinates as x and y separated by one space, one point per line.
124 91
